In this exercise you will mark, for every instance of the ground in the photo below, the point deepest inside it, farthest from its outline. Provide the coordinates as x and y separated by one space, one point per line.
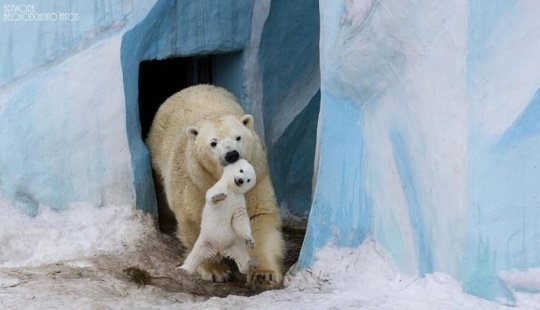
94 276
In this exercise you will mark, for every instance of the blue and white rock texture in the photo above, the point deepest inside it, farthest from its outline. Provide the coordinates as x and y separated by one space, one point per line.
430 136
68 92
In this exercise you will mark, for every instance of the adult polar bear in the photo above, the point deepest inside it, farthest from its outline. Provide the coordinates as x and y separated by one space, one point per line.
195 133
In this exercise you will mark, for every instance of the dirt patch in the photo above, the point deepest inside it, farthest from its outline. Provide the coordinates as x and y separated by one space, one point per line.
103 278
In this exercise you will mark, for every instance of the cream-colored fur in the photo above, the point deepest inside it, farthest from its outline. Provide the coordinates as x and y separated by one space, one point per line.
180 143
225 229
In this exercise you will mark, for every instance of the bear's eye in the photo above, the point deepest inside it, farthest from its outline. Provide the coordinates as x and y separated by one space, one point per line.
238 138
249 180
213 144
241 171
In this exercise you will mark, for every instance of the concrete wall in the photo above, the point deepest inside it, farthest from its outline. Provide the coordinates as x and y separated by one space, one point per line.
429 136
69 89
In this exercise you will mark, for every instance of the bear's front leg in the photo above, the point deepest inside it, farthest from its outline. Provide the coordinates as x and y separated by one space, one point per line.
240 224
266 230
239 254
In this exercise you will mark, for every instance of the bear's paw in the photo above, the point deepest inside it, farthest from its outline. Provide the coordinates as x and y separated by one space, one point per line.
216 272
260 279
250 242
217 198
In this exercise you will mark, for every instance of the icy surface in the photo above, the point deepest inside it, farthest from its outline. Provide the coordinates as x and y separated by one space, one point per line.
429 137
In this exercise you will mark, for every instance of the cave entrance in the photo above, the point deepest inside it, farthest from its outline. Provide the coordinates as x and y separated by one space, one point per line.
158 80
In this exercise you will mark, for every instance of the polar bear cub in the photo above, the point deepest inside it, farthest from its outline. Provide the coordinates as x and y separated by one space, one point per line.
225 228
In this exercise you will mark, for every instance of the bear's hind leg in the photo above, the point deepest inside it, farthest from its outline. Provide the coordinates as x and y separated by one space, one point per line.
239 254
200 253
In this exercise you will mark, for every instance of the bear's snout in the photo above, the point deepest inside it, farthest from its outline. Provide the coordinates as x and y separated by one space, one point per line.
232 157
239 182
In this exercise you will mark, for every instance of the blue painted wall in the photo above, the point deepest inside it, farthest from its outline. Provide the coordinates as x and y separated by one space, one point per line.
504 143
429 139
26 45
289 61
61 107
341 211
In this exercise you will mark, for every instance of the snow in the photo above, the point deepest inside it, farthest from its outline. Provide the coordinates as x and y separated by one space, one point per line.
74 259
524 285
80 231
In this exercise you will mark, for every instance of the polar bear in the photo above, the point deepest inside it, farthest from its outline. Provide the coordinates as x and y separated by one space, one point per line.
195 133
225 229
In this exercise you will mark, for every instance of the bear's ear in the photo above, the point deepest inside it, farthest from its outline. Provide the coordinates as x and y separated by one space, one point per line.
192 132
247 120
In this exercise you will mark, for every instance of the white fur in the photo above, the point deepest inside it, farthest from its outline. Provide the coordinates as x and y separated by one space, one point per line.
225 228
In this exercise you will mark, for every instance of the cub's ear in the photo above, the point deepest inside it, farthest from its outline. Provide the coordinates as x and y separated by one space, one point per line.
192 132
247 120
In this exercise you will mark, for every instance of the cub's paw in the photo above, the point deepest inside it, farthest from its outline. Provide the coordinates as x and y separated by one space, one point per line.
217 198
253 263
260 279
250 242
216 272
184 270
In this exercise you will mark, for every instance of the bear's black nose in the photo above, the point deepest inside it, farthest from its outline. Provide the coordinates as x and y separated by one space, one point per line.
238 182
232 157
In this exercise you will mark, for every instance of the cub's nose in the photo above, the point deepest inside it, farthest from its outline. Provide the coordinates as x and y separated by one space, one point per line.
232 157
238 182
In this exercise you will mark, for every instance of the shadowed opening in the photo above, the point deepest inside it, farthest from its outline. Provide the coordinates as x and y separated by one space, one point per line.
158 80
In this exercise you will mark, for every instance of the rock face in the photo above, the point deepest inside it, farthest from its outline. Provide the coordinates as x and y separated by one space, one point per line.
69 93
430 137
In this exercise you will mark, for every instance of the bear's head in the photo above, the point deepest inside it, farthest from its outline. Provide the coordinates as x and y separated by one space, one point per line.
222 140
240 176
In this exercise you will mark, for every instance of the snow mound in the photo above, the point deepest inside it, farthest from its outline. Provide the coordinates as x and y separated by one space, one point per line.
80 231
360 278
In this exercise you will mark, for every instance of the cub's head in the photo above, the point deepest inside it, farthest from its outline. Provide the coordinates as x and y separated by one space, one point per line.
240 176
222 140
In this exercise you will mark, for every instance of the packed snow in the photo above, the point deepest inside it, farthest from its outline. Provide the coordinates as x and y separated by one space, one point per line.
75 259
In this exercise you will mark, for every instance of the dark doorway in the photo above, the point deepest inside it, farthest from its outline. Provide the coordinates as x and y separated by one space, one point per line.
159 79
